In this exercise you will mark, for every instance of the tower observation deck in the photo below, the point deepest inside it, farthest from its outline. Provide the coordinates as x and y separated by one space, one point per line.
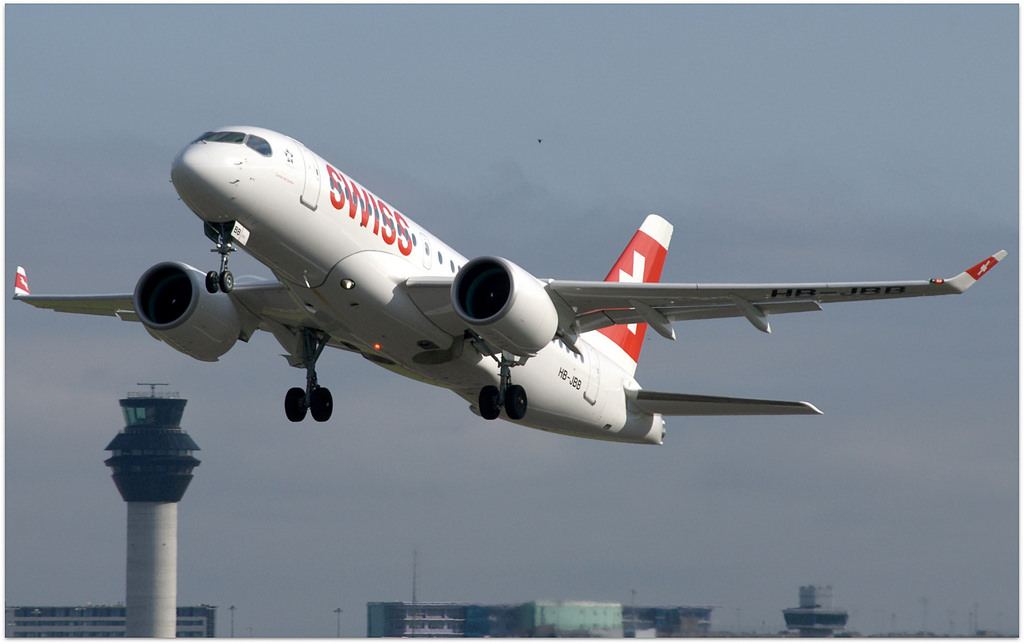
816 616
152 458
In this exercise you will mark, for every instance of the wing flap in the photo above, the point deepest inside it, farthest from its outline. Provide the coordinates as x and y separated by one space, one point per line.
607 317
667 404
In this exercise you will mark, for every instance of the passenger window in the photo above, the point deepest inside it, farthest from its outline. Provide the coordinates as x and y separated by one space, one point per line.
259 144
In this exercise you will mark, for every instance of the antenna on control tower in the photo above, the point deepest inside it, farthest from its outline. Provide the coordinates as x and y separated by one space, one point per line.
152 387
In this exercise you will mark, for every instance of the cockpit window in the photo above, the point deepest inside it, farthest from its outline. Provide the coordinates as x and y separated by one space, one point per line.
259 144
224 137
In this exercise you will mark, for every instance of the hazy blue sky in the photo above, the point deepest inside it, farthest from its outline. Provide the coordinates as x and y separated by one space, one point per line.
785 143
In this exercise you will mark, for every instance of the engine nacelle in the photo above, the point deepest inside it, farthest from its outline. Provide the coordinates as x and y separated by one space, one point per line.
505 305
172 301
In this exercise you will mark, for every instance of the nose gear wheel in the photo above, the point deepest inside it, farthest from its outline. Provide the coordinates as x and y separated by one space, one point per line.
220 234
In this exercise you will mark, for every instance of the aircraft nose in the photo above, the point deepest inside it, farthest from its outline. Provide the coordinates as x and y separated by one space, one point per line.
206 177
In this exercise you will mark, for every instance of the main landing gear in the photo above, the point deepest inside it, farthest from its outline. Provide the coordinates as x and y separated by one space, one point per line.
506 395
221 280
314 398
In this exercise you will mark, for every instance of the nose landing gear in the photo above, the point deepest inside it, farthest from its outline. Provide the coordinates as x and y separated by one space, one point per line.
314 398
221 280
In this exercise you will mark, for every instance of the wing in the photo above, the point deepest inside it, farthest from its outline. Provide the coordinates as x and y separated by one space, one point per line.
654 402
267 302
111 305
601 304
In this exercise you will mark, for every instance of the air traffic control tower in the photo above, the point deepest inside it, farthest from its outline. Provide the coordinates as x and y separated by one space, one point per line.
816 616
152 466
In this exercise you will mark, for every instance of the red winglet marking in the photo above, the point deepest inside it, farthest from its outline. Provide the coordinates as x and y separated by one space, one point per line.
21 282
977 271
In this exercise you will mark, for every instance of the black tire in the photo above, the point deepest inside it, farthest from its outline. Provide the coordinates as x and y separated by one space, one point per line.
489 407
515 402
212 282
295 405
227 281
321 404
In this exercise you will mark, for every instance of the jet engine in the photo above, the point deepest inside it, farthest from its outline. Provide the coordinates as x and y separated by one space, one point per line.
172 302
505 305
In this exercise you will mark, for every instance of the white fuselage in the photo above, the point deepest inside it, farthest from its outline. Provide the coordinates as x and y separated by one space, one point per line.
344 255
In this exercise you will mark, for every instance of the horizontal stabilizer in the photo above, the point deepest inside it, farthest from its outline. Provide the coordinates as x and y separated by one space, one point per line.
653 402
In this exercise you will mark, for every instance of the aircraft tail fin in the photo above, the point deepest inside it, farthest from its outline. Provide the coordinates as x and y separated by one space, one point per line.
641 261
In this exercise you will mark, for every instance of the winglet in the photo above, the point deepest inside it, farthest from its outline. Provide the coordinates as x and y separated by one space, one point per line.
964 280
20 283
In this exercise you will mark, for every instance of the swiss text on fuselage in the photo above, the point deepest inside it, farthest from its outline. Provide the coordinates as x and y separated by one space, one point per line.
388 223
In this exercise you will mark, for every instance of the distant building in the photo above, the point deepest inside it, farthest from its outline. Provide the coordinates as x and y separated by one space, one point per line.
674 621
532 619
816 616
97 621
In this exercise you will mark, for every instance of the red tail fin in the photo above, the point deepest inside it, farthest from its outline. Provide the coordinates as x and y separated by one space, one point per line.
642 261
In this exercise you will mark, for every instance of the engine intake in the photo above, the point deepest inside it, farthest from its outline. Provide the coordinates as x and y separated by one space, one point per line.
173 304
507 306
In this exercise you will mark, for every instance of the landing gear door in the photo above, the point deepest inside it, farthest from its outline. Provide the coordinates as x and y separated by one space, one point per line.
311 183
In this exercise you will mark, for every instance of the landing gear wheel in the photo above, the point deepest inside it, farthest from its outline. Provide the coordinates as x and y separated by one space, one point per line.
489 406
314 398
227 281
321 404
295 404
515 402
220 234
212 282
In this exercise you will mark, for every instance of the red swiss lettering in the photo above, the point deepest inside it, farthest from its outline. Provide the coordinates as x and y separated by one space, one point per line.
360 201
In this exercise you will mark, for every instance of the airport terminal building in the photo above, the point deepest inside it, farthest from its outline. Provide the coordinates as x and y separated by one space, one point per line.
97 621
534 619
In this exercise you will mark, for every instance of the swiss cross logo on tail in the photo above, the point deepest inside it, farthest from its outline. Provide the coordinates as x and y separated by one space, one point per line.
977 271
642 261
635 275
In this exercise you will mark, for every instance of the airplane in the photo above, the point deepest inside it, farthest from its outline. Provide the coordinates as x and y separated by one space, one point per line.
354 273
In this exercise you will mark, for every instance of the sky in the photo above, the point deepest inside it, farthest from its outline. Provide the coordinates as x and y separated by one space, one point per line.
785 143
